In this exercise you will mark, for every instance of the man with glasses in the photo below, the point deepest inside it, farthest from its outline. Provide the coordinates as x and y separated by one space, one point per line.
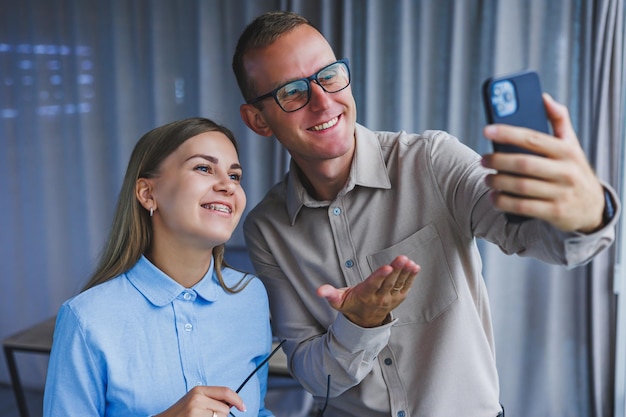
340 241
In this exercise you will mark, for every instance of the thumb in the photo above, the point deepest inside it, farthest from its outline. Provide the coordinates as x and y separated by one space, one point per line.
559 118
333 295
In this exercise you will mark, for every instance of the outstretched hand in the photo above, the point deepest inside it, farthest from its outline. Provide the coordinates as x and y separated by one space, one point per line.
205 401
559 186
368 303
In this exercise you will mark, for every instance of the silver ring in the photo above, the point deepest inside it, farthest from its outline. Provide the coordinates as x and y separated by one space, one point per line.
396 288
215 413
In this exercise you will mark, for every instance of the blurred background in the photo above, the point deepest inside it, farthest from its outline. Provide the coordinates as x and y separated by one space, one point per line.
82 80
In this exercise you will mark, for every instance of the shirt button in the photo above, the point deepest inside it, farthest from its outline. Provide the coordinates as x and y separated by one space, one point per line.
188 327
187 296
401 413
336 211
388 361
349 263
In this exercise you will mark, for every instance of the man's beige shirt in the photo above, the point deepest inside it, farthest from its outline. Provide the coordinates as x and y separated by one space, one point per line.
422 196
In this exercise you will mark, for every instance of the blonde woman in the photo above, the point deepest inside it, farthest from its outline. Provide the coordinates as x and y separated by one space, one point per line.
165 327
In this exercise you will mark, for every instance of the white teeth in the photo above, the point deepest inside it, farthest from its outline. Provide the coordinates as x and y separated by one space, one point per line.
218 207
326 125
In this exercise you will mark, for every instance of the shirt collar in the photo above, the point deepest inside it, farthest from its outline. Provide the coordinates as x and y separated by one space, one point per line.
368 170
161 290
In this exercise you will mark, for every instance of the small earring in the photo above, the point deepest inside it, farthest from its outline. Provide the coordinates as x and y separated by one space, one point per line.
151 211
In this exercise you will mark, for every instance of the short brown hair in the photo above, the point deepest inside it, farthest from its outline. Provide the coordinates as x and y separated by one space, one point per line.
261 32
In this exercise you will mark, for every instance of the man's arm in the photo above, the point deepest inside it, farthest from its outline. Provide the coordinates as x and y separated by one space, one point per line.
319 340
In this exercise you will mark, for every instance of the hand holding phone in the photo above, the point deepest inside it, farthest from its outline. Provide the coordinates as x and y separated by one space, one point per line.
515 99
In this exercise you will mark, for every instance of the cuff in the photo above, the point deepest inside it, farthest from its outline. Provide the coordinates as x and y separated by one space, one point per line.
370 340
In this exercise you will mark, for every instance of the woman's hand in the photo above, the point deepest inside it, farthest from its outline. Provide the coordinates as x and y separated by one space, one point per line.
203 401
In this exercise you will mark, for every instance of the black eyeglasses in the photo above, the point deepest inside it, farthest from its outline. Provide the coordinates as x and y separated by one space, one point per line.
257 369
321 412
296 94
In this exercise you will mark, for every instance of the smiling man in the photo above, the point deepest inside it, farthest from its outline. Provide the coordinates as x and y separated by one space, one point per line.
367 247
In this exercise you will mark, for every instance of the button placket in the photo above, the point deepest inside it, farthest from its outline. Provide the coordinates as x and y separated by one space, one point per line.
187 342
343 245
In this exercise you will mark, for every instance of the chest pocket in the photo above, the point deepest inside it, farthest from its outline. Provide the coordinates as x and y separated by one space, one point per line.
433 290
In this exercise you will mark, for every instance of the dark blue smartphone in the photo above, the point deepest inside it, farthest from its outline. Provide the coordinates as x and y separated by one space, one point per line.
515 99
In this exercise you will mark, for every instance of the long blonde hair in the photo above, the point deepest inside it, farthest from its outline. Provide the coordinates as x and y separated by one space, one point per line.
131 232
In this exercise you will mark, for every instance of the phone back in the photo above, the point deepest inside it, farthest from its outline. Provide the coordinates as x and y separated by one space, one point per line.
516 100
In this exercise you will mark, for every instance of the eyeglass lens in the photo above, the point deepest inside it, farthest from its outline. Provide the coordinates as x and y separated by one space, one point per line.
296 94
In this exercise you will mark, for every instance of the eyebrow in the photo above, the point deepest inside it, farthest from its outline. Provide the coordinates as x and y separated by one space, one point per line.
306 76
214 160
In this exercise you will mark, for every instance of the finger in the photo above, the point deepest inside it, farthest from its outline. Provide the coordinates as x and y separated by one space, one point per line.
564 142
400 262
559 118
377 280
390 282
381 280
405 279
334 296
394 274
408 283
527 187
404 268
224 398
522 164
537 142
523 206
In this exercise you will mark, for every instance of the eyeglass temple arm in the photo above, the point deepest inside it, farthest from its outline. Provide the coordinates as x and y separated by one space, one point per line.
259 367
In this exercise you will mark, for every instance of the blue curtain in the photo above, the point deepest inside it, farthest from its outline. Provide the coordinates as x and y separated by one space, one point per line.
82 80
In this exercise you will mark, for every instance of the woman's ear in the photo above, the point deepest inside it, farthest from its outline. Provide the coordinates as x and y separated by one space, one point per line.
143 192
253 118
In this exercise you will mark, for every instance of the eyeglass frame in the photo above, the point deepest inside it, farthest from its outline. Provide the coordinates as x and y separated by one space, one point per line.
320 412
308 80
259 366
